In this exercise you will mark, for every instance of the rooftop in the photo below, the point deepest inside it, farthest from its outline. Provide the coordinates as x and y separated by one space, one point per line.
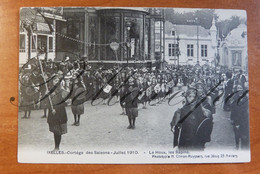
123 8
188 30
237 33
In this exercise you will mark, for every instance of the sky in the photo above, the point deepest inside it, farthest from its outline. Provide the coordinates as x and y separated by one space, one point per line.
225 14
222 13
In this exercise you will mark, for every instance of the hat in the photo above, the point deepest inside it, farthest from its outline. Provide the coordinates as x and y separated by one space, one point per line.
75 75
189 90
67 58
60 73
88 67
228 74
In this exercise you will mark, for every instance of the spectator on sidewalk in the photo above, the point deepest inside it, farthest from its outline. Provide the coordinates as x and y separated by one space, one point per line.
228 88
240 119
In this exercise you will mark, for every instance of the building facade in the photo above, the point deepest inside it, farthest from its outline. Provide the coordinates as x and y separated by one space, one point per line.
190 44
37 34
89 32
233 51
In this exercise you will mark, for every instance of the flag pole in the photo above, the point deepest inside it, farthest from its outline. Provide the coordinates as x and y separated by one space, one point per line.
44 79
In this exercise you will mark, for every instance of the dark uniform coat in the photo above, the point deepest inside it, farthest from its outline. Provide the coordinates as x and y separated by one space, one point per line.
187 123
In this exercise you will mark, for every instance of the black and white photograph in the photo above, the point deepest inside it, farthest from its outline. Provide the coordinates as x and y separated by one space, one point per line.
133 85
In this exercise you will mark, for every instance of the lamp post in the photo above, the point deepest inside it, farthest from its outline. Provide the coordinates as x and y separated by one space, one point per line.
196 19
178 52
128 27
217 57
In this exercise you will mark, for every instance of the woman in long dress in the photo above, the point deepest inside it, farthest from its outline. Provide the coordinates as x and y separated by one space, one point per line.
154 91
131 102
57 116
77 105
145 97
28 93
106 91
157 91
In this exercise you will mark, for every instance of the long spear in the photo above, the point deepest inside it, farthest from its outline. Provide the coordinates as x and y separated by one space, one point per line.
44 79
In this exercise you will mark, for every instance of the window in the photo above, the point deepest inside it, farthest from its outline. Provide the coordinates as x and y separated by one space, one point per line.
190 50
204 51
33 41
173 49
42 43
22 43
134 35
173 33
236 58
50 44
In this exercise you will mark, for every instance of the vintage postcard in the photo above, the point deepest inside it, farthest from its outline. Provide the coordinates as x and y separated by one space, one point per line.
120 85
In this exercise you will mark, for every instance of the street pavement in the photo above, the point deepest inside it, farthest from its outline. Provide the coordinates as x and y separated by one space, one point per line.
222 136
102 126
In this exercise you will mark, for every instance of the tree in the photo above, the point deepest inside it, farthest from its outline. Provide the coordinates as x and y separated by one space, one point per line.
227 25
204 17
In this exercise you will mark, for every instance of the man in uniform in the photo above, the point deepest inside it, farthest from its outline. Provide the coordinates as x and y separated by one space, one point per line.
131 102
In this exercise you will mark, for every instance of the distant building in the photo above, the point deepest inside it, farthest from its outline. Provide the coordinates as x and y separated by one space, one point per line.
159 38
189 37
233 52
36 35
89 31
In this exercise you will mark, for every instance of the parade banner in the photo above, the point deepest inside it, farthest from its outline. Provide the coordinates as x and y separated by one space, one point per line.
121 85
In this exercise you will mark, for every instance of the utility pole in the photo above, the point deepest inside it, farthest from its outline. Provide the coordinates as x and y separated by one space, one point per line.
86 29
27 27
128 42
197 41
178 52
196 21
163 39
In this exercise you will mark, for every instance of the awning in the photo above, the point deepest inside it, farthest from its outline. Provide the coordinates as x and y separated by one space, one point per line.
43 28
